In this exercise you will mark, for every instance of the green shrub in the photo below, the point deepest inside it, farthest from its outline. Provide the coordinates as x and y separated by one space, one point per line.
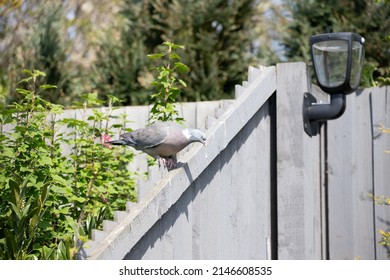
167 84
50 201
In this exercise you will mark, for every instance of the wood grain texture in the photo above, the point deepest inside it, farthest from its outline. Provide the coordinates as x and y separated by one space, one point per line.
298 170
350 165
380 104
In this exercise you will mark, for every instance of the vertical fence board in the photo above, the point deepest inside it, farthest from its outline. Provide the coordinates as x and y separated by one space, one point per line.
340 191
238 204
171 236
350 183
298 170
323 97
381 143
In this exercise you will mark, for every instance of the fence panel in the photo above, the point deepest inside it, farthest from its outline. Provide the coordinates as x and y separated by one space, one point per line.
207 197
298 170
350 181
380 101
222 214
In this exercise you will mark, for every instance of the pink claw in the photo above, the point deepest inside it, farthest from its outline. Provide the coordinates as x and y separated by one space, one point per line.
169 163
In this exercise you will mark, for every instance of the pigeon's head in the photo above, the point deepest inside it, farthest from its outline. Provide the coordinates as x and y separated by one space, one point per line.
196 135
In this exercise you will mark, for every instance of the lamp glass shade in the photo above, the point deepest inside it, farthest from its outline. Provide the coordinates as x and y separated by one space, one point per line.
330 61
357 63
338 61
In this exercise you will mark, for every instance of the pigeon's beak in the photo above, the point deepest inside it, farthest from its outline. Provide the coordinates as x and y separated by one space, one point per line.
204 143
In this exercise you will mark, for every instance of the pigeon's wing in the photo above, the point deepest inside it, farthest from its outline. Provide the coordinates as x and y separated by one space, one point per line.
147 137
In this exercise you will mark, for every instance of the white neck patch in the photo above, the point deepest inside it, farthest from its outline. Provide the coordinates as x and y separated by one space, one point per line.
187 133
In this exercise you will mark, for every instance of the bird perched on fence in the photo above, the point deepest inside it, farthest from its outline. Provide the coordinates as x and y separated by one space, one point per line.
161 140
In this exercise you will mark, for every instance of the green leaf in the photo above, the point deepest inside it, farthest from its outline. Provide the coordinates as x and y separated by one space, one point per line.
181 67
16 211
172 45
73 123
47 86
56 109
8 152
175 56
11 241
117 126
113 99
92 99
182 82
38 73
26 80
64 210
62 252
45 160
59 180
23 91
28 72
168 44
60 190
155 56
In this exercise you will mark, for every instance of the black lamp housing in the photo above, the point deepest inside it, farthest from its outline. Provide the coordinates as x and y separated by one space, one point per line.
338 61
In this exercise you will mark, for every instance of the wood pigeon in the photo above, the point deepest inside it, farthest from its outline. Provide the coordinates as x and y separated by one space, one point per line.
161 140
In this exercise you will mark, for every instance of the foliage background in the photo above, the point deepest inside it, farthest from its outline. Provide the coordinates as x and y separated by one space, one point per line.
101 46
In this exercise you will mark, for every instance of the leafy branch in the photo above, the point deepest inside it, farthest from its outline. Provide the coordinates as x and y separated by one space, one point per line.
167 84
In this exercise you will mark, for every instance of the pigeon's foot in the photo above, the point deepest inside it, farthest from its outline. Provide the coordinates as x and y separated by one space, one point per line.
161 161
169 162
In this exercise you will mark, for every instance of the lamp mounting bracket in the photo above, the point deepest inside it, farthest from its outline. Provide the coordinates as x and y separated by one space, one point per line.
313 112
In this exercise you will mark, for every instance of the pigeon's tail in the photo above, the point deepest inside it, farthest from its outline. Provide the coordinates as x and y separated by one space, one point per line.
117 142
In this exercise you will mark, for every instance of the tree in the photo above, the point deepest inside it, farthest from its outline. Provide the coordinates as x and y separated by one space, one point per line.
54 36
50 50
102 45
36 42
371 19
220 39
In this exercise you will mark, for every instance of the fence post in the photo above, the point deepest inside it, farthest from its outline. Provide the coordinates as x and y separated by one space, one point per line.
298 169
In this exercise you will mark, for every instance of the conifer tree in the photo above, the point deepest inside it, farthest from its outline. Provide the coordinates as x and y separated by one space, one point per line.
50 49
34 38
218 36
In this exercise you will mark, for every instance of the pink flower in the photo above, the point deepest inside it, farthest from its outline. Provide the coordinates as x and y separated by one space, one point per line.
106 138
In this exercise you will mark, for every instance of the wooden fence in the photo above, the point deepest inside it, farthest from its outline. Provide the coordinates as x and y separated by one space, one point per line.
263 188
